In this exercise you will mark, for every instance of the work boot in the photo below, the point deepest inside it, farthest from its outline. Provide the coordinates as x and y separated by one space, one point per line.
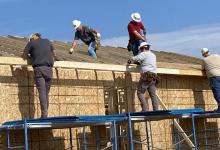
44 115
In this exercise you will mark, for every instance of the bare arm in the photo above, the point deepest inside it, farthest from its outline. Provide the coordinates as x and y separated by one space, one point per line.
74 44
139 36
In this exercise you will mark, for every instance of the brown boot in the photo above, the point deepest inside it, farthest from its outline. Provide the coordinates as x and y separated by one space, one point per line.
44 115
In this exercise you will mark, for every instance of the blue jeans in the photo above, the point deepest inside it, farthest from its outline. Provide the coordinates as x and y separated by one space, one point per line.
92 50
214 83
135 46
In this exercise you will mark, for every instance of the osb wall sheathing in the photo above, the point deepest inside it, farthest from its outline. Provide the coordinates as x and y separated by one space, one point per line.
90 92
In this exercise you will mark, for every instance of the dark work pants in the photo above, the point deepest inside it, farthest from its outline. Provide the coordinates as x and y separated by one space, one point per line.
135 46
43 76
214 83
151 88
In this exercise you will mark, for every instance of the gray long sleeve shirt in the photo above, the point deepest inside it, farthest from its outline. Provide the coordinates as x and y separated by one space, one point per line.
147 59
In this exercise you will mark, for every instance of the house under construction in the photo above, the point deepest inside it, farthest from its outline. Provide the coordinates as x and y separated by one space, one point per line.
93 103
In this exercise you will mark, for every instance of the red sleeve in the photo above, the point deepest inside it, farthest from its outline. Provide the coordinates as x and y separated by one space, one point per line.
142 26
130 28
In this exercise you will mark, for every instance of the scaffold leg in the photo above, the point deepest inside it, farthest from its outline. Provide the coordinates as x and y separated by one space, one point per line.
97 137
71 137
115 136
151 136
194 131
26 134
148 138
84 138
206 139
130 132
8 139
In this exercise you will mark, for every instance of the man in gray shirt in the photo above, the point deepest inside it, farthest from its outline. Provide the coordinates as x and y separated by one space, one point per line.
148 79
211 64
88 35
41 53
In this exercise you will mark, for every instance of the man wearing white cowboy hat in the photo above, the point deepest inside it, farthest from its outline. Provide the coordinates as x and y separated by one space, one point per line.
149 78
211 64
88 35
135 35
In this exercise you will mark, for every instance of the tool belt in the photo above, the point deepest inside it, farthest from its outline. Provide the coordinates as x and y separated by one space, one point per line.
149 76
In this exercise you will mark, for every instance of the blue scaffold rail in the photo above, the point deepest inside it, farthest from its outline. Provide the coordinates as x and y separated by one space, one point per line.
96 120
65 121
57 122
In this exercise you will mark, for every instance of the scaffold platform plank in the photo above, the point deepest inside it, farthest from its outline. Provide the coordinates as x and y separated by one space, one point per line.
80 121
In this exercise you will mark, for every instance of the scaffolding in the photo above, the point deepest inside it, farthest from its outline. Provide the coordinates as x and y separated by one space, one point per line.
113 123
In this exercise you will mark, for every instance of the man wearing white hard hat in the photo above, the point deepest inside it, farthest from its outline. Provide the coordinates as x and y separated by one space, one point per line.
137 33
149 78
211 64
88 35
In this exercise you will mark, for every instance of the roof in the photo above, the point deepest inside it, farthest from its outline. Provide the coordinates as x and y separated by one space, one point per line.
14 45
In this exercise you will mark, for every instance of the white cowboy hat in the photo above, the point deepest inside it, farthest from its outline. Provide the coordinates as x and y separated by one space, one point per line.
204 50
136 17
76 23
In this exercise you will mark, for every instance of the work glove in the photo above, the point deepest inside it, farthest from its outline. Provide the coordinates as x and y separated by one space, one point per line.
71 50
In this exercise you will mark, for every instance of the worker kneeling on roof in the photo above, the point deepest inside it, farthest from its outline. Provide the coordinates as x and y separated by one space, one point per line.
149 78
88 35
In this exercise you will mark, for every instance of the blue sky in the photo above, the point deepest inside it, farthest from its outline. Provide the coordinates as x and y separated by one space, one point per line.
181 26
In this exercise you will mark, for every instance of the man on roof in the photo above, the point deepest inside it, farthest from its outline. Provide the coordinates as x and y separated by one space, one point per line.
211 64
148 78
42 55
137 33
88 35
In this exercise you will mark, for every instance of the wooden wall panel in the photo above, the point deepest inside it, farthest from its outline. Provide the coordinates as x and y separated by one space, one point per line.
95 92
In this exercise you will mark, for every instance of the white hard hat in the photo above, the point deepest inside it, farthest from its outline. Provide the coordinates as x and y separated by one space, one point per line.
204 50
144 44
76 23
136 17
98 35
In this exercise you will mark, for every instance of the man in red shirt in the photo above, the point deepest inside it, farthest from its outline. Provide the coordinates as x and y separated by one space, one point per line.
135 35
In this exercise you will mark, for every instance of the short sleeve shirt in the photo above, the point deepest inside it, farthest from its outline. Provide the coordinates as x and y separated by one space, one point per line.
87 35
132 26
